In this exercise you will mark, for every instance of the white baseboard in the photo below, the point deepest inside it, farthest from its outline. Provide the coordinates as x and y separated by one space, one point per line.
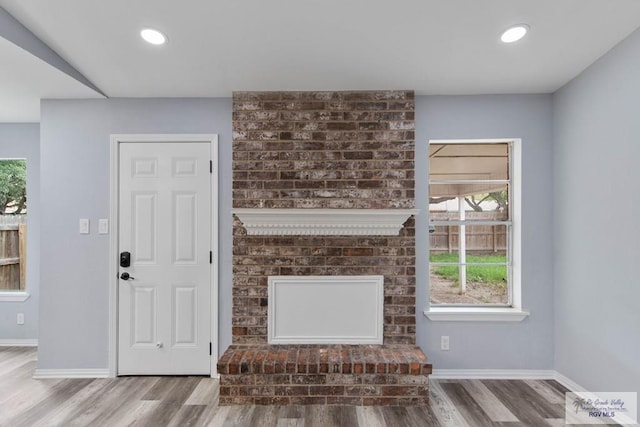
569 383
70 373
495 374
19 343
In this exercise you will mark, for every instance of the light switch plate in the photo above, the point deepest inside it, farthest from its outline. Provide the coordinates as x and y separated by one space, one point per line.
84 226
444 343
103 226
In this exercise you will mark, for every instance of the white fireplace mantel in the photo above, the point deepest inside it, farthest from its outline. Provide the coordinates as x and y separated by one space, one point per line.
323 222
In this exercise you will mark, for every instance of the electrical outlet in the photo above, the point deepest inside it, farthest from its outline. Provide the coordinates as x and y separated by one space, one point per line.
20 319
444 342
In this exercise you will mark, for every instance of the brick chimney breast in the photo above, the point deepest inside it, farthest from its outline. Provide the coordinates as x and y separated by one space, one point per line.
329 150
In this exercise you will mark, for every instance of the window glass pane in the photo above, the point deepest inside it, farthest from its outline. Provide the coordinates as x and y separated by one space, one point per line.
480 240
469 161
470 258
492 203
484 285
13 210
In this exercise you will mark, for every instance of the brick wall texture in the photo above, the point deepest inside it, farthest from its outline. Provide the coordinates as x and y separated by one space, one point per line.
323 150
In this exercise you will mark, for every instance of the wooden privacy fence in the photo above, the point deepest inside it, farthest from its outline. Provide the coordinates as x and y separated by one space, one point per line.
479 238
13 252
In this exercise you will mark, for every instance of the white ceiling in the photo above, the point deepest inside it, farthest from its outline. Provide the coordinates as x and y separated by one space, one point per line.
25 79
216 47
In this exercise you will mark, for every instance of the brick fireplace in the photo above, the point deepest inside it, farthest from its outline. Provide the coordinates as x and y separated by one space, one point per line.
323 150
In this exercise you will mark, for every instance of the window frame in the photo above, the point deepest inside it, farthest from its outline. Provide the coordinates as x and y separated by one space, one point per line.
513 312
22 295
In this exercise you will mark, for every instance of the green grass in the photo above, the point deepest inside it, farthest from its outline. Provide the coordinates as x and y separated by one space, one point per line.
490 274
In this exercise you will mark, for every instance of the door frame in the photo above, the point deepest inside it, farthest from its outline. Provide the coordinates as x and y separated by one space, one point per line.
114 171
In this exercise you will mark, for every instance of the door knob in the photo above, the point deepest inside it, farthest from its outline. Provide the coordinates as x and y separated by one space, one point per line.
126 276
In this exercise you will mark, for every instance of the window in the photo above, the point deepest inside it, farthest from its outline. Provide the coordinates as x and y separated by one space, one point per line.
13 216
474 224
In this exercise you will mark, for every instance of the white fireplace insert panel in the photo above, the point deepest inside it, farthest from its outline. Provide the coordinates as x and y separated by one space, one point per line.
325 310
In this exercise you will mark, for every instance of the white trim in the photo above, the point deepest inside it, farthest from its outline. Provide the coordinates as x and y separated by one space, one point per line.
323 222
494 374
472 141
115 140
516 217
14 296
40 374
495 314
468 181
475 314
568 382
29 342
470 222
215 264
113 254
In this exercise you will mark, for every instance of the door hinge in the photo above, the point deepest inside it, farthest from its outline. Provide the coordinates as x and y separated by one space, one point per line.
210 349
210 166
210 257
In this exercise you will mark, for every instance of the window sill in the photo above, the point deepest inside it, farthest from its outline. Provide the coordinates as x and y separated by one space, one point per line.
8 296
471 314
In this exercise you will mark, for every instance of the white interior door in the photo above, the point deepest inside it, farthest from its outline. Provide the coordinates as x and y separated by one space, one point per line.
165 217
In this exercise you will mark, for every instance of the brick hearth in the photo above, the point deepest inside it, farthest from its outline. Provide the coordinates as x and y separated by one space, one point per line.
324 374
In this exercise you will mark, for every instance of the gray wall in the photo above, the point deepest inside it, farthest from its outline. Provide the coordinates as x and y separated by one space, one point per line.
488 345
596 229
75 176
23 141
75 143
75 184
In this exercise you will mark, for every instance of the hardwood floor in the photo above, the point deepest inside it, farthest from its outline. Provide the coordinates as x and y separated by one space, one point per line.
191 401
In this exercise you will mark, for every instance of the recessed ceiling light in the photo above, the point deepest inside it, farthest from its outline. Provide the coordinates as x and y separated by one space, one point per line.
153 36
514 33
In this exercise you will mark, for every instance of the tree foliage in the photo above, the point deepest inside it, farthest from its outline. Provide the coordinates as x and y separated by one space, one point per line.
499 197
13 187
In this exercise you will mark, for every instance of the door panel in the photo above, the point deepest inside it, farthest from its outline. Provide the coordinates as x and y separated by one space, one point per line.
145 210
184 228
185 315
144 316
165 222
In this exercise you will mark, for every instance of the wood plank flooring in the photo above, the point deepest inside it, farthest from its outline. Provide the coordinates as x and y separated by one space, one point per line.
192 401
